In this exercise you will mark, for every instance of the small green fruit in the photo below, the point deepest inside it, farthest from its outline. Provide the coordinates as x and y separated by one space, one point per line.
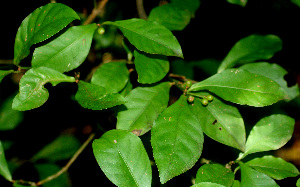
204 102
210 97
101 30
188 84
190 99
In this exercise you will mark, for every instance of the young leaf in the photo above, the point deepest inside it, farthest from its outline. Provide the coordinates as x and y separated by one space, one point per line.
112 76
143 106
150 68
221 122
9 118
40 25
63 147
207 184
250 49
66 52
3 73
32 93
242 87
238 2
274 167
94 97
149 36
176 139
171 16
276 73
250 177
4 170
270 133
123 159
215 173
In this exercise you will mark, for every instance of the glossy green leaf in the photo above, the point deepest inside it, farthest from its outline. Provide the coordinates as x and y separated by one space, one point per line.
221 122
275 167
270 133
177 140
3 73
143 106
238 2
150 68
9 118
149 37
274 72
171 16
94 97
190 5
66 52
123 159
32 93
207 184
46 170
112 76
242 87
4 170
250 49
61 148
253 178
40 25
215 173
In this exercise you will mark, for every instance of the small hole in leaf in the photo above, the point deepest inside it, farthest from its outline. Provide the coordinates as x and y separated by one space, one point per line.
220 128
214 122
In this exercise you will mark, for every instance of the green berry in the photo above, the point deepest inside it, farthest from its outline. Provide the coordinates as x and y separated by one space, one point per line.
188 84
101 30
210 97
190 99
204 102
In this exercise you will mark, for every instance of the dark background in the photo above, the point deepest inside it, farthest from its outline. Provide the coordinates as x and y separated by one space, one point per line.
217 26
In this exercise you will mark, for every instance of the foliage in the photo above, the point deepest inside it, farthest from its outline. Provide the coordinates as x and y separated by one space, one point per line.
178 127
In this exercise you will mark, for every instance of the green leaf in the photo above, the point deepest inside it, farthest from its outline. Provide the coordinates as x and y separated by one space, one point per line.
4 170
250 49
45 170
215 173
236 183
276 73
143 106
123 159
221 122
253 178
242 87
66 52
190 5
275 167
298 181
40 25
149 37
112 76
9 118
238 2
62 148
297 2
32 93
171 16
94 97
3 73
150 68
207 184
177 140
270 133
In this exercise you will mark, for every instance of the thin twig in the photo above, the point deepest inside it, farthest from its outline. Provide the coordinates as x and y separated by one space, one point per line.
141 10
66 167
95 12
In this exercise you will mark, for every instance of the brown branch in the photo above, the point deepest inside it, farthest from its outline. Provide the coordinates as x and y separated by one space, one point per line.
141 10
95 12
66 167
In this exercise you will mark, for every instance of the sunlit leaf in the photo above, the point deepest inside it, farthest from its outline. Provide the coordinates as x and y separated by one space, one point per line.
40 25
66 52
123 159
177 140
